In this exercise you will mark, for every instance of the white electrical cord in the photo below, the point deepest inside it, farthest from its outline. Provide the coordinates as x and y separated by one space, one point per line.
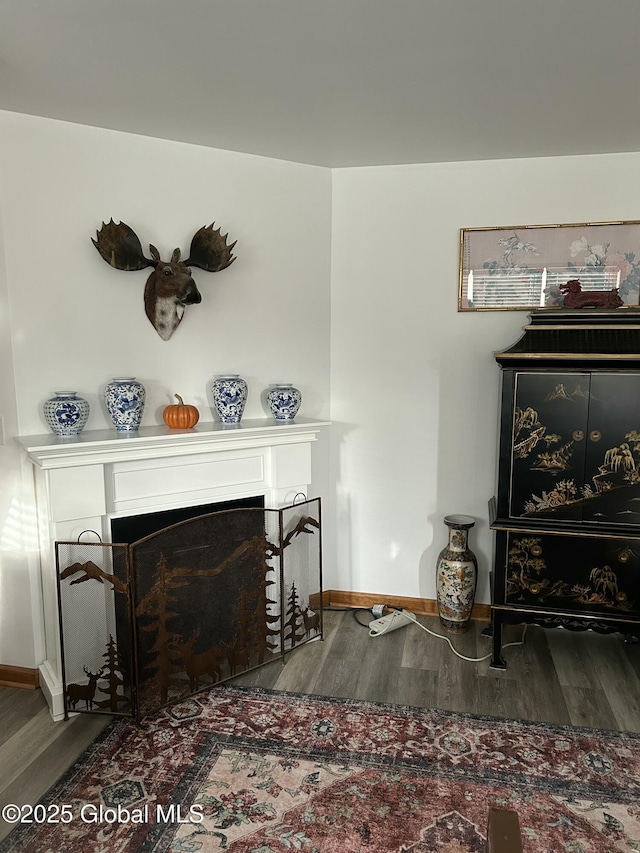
378 610
464 657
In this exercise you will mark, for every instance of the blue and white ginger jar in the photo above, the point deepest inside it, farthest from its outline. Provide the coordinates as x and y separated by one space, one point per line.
66 413
125 397
229 394
284 401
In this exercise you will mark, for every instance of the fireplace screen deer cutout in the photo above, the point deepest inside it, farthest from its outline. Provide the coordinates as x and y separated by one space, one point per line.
170 286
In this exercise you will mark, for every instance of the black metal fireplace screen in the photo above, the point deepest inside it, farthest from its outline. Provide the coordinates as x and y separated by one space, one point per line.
145 625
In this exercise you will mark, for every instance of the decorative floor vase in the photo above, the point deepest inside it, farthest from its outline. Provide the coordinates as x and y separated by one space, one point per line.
284 401
66 413
229 397
457 576
125 398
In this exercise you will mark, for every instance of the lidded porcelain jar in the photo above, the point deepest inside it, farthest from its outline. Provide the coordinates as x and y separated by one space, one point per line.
229 392
125 398
66 413
284 401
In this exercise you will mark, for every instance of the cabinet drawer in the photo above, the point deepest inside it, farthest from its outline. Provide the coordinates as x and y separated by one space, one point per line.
591 575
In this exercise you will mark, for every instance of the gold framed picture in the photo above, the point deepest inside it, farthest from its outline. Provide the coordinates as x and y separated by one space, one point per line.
519 268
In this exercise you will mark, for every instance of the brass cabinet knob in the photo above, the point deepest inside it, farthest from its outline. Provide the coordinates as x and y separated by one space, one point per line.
595 435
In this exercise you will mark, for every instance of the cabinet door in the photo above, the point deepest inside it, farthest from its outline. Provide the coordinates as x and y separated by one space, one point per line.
589 575
550 423
575 452
611 492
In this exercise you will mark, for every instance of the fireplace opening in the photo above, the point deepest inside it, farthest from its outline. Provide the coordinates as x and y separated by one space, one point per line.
131 528
186 602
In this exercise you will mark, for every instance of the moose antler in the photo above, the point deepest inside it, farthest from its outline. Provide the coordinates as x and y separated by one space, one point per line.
209 250
170 286
120 246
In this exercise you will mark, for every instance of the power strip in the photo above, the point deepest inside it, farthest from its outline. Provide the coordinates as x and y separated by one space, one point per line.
390 622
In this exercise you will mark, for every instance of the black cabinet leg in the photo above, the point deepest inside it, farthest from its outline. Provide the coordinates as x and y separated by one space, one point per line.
497 661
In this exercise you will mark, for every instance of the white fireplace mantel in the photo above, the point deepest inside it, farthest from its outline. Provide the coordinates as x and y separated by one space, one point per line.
100 446
84 481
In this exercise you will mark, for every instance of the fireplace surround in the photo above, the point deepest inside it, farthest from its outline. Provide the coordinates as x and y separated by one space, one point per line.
84 482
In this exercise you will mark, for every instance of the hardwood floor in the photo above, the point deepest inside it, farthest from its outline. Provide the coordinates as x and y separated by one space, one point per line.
579 679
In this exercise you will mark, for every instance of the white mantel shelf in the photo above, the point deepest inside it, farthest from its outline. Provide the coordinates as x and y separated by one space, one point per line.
104 446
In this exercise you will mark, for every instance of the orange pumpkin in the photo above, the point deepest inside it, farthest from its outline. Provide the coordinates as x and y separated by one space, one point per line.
180 415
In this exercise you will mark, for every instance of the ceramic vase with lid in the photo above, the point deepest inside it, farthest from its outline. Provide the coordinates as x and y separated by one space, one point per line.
125 397
457 576
229 393
66 413
284 401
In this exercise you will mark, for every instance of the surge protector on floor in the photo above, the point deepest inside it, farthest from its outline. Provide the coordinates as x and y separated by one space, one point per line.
390 622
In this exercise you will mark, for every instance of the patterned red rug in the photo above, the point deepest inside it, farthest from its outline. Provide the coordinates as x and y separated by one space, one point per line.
254 771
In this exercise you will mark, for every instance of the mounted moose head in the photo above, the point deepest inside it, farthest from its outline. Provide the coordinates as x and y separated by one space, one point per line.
170 286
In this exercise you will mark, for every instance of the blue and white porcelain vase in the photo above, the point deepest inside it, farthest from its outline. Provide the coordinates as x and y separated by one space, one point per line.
284 401
125 397
66 413
229 397
457 576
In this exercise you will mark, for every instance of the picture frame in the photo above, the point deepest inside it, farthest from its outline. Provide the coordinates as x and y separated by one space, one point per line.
520 268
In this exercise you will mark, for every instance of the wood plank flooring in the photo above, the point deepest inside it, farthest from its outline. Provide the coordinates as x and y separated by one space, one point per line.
579 679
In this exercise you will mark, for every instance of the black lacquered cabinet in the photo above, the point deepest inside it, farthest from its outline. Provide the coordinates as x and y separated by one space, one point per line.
566 514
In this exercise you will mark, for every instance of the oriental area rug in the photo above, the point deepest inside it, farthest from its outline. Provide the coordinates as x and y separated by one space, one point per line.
246 770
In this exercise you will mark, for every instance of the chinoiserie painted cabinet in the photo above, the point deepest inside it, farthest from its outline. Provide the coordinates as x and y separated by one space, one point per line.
566 514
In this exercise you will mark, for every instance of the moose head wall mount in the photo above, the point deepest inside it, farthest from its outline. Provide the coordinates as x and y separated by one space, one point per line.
170 286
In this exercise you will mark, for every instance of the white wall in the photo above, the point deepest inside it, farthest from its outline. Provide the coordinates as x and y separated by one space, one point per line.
75 322
19 564
387 241
414 385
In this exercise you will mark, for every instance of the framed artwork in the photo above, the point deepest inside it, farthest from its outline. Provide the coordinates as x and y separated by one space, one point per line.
522 267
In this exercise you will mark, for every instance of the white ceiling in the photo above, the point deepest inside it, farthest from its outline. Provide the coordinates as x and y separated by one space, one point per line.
335 82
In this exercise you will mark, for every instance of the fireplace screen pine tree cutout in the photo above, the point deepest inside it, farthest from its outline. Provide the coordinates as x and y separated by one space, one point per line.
114 675
294 624
199 601
157 607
